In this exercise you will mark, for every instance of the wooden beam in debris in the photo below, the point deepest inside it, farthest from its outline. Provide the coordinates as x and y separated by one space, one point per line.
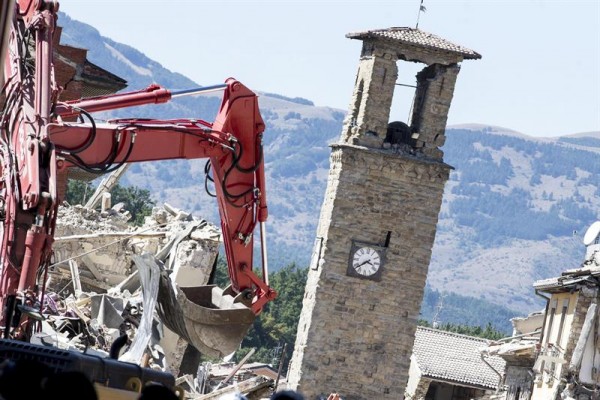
106 186
75 277
281 361
118 236
89 264
95 283
247 386
131 283
72 305
236 369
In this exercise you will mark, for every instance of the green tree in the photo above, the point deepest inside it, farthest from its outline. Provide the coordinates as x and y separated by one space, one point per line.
488 333
137 201
78 192
278 322
220 275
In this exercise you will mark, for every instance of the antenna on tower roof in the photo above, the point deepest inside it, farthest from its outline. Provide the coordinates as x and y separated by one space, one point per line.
421 9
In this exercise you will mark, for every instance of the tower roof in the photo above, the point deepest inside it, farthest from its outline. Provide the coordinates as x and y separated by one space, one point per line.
416 37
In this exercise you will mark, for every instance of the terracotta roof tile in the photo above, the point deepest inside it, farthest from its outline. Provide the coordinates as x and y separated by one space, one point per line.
416 37
455 358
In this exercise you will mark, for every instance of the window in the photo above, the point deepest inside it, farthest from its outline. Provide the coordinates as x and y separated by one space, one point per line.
551 312
563 314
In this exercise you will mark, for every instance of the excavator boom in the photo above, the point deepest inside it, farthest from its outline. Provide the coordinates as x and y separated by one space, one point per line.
38 144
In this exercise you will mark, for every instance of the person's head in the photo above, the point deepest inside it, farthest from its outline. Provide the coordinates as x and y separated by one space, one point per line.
157 392
23 379
287 395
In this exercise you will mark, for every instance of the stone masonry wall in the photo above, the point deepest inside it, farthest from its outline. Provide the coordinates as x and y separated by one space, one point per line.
435 89
421 390
372 98
584 299
369 111
355 336
519 382
415 53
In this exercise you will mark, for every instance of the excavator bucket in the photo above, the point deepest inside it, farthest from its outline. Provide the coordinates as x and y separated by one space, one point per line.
214 319
209 318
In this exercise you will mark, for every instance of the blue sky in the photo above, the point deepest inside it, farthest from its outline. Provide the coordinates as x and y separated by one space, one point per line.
539 75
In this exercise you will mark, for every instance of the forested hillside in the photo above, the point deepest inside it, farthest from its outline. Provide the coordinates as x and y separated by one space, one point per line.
514 210
501 182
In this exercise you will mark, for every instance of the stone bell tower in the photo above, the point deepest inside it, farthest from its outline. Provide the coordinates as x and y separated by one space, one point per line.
377 224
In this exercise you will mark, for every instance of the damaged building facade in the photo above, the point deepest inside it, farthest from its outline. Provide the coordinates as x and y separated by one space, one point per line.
551 355
555 354
519 353
568 364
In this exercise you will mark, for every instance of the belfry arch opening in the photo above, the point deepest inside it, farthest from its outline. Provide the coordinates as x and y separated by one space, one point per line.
408 78
403 103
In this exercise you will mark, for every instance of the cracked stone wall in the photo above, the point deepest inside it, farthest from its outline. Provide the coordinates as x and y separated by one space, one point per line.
519 382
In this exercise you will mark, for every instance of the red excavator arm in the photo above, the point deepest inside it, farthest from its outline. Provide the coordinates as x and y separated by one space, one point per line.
37 145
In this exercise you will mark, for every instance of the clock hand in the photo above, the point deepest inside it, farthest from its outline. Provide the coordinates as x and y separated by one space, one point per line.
363 263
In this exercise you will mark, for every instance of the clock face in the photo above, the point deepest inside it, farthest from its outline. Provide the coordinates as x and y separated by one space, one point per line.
366 261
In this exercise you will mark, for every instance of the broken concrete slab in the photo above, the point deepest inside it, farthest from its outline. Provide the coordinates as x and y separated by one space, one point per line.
108 310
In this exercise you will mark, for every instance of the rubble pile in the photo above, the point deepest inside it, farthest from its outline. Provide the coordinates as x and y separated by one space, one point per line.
95 299
221 381
102 243
79 220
